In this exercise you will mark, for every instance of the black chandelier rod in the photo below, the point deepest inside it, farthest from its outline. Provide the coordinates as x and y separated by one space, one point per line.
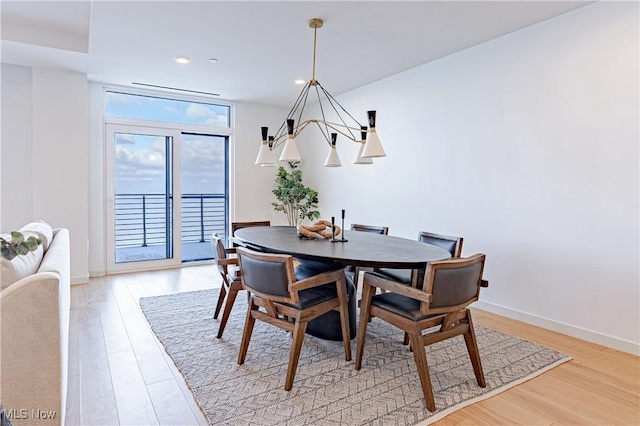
324 119
333 103
302 99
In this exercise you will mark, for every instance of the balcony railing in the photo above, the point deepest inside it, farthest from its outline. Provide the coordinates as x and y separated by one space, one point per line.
144 220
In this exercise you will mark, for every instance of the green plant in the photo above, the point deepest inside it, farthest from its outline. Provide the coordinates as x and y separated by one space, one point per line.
294 199
18 245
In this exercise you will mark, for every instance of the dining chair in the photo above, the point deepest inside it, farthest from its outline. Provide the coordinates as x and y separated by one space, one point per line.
277 298
355 270
239 225
231 281
452 244
449 287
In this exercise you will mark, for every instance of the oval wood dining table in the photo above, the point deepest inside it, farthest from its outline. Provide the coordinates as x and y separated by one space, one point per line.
361 249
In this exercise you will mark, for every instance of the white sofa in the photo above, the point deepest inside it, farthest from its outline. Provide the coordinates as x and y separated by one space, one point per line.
34 344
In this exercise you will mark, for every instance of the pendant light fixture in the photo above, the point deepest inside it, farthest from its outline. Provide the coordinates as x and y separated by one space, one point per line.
333 160
359 158
272 162
346 125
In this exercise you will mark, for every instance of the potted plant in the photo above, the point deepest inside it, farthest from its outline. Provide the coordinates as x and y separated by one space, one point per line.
295 199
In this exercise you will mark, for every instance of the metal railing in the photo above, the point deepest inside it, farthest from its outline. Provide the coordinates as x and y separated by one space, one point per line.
145 219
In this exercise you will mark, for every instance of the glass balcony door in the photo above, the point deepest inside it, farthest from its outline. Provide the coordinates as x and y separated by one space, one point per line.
143 216
203 194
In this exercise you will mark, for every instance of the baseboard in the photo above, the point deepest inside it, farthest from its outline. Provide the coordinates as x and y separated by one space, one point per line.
80 280
98 273
570 330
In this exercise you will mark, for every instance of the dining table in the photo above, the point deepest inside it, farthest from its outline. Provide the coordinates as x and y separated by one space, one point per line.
350 248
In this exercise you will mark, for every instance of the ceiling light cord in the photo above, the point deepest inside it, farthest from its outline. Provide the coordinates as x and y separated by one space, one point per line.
313 72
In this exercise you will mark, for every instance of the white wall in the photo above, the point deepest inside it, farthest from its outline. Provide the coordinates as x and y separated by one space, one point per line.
46 138
252 196
16 149
527 146
97 197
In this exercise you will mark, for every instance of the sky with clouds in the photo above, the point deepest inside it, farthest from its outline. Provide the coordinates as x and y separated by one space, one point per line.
140 159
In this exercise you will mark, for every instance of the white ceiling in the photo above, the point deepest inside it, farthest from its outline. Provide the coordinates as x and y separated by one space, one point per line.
261 46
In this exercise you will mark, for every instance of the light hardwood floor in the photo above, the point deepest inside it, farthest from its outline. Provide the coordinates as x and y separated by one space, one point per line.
120 374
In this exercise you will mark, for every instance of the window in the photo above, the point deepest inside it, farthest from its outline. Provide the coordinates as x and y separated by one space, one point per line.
139 107
167 163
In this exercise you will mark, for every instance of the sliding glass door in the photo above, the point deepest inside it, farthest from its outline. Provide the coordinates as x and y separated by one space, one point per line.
142 210
203 194
167 193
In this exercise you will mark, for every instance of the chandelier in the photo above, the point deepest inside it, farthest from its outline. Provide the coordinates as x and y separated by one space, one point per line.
346 126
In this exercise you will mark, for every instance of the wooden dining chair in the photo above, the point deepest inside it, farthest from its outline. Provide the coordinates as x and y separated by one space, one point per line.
231 281
452 244
239 225
355 270
449 287
276 298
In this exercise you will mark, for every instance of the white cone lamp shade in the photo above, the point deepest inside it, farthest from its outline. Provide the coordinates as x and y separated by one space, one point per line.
264 155
290 152
272 161
333 160
373 147
359 158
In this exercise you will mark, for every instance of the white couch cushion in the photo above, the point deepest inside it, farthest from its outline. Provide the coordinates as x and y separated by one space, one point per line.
20 266
43 231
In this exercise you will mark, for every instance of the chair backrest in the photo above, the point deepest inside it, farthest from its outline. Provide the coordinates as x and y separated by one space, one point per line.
384 230
452 244
266 274
454 282
239 225
218 252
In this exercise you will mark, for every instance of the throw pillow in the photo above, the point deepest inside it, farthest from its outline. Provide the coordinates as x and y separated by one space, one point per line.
43 230
20 266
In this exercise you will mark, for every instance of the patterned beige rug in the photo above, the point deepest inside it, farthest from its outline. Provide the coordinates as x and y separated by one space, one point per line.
327 390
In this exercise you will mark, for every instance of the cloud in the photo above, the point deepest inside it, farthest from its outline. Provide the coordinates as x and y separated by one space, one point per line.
200 111
119 98
217 121
124 138
170 109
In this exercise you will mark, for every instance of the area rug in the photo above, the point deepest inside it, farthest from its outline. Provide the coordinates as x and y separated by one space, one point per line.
327 389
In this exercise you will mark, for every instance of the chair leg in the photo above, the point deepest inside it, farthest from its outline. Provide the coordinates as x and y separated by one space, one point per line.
248 330
233 292
420 357
223 292
474 354
406 338
344 317
365 306
296 346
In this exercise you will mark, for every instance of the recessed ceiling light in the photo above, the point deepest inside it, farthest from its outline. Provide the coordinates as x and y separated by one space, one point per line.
300 81
182 60
213 60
